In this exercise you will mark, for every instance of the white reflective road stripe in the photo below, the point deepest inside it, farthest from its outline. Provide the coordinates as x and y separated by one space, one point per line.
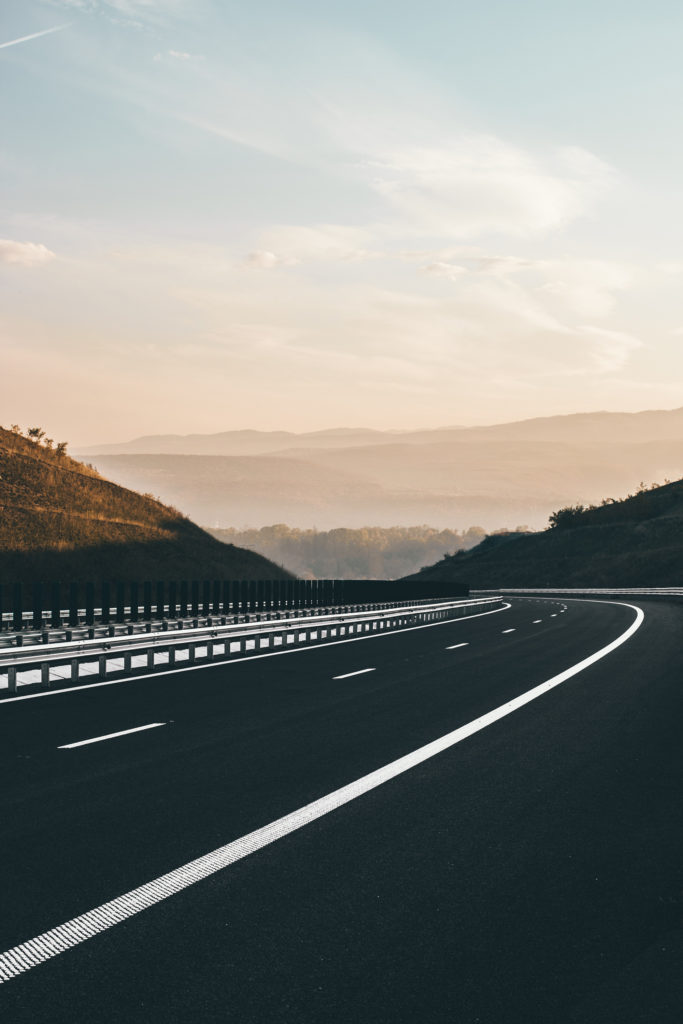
358 672
110 736
509 630
454 647
29 954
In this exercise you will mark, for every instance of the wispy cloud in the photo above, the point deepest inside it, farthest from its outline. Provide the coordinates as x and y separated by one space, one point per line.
178 55
483 185
263 259
25 254
34 35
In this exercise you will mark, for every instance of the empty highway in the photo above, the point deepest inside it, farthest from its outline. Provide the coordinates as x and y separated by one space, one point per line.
473 822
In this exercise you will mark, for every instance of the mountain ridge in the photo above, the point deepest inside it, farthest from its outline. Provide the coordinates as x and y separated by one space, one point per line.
562 425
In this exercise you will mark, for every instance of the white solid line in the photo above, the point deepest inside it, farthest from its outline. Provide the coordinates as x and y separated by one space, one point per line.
454 646
508 630
57 940
253 657
359 672
110 736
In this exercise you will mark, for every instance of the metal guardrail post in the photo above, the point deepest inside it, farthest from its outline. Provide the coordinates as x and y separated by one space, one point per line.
90 604
37 595
18 607
105 603
73 604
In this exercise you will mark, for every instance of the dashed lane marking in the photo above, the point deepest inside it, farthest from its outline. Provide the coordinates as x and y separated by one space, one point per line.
57 940
536 621
509 631
110 736
453 647
358 672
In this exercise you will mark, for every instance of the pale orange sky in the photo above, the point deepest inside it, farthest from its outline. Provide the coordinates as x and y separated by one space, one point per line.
213 220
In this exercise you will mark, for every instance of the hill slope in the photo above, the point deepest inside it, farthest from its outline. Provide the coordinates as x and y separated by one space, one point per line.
631 543
60 520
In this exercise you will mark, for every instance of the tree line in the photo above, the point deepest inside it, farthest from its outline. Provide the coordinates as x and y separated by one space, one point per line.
372 552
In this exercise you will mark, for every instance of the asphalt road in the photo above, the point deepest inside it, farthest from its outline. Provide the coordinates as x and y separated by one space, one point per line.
532 872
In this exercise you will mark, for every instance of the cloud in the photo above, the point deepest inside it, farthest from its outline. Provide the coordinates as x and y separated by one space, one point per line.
133 13
612 349
25 254
263 259
178 55
322 242
442 269
502 264
34 35
479 185
588 288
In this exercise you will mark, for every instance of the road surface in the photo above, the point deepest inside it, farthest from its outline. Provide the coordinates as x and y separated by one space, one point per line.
529 870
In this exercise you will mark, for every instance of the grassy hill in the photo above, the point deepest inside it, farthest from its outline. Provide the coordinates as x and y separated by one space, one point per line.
59 519
630 543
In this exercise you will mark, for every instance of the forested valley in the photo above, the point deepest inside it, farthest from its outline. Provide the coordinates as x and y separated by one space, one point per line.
372 552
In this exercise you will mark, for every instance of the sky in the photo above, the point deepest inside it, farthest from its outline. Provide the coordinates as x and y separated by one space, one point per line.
392 214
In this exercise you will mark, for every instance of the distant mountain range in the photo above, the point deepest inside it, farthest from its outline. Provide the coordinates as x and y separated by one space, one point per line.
503 475
637 542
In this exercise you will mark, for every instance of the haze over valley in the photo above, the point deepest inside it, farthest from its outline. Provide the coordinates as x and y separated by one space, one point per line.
504 475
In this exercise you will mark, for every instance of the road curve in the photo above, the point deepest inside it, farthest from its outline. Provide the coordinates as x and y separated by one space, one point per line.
530 871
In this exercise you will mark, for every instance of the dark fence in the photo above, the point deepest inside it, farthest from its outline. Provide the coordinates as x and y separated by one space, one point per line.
55 605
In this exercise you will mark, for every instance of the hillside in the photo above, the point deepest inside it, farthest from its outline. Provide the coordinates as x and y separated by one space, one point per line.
60 520
630 543
453 478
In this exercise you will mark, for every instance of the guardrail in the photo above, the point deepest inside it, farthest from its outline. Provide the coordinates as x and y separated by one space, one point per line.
100 658
674 592
28 637
40 605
